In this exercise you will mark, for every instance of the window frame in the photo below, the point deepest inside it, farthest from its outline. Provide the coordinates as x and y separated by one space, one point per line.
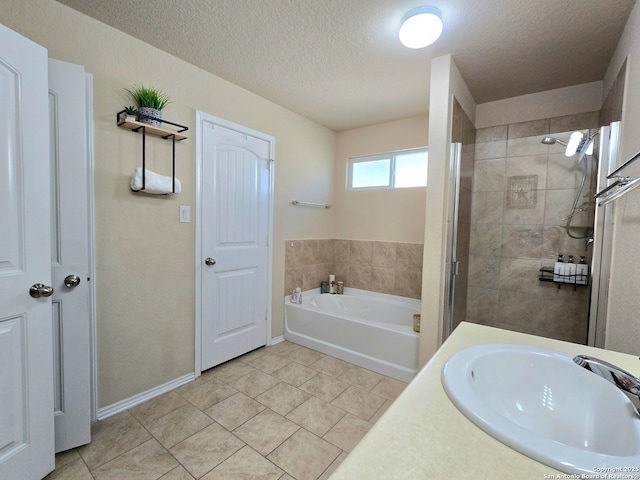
391 156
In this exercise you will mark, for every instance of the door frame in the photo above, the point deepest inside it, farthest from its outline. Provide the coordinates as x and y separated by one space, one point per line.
199 254
93 350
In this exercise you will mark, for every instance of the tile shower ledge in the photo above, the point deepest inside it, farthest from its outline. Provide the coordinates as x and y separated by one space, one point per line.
423 435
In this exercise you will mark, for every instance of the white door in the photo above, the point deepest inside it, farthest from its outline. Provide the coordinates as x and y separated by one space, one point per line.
236 187
26 376
69 255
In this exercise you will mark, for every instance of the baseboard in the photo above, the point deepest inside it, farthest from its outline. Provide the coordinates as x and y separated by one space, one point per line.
276 340
130 402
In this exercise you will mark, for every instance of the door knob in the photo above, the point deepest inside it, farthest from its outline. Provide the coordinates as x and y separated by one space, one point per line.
71 281
210 261
38 290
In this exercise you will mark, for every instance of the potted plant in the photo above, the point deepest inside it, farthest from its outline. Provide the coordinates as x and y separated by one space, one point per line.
150 102
130 113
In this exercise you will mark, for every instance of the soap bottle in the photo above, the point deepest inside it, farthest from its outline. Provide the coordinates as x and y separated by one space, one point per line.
570 271
582 272
332 284
558 269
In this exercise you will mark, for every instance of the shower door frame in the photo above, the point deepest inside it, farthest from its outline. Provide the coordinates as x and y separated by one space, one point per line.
602 238
451 257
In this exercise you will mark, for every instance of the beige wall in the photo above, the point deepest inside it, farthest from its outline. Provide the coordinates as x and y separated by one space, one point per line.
383 215
145 257
623 324
550 103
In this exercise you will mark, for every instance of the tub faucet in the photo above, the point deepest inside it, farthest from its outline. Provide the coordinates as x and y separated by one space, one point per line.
626 382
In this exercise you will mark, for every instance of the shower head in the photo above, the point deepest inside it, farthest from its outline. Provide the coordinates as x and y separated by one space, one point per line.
552 141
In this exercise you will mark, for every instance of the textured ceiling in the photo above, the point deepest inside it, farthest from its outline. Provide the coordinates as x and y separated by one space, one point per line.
339 62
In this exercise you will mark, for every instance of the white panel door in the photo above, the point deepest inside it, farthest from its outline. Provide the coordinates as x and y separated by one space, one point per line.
26 378
235 241
69 255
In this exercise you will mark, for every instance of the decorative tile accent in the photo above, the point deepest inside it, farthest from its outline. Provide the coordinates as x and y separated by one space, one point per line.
522 191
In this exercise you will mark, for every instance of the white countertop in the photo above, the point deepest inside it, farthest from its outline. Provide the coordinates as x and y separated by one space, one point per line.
424 436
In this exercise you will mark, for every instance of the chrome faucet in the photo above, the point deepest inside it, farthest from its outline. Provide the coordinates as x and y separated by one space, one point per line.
626 382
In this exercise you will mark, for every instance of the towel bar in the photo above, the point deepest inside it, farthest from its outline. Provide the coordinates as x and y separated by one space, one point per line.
310 204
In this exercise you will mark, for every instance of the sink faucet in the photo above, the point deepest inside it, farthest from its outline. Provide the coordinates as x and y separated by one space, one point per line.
626 382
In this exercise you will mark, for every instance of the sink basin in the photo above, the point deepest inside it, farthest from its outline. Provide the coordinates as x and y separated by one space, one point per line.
543 405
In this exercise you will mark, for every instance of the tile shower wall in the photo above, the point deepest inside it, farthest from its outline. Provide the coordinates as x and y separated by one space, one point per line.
384 267
522 191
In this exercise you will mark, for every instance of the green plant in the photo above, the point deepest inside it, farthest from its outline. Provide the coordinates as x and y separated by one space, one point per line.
150 97
131 110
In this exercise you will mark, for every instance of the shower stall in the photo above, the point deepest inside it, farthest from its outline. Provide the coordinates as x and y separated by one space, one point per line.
530 200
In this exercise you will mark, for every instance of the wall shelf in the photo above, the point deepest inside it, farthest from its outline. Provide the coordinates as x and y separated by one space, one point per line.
577 280
136 126
176 135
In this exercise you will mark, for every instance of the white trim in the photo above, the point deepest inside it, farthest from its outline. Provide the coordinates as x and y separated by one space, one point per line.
276 340
200 117
131 402
198 250
93 362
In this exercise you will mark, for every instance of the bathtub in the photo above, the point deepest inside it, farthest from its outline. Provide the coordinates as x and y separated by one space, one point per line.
372 330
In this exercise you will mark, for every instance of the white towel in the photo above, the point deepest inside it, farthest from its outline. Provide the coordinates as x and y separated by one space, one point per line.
153 182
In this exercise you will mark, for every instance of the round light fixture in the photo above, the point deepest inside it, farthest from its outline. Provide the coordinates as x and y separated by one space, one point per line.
420 27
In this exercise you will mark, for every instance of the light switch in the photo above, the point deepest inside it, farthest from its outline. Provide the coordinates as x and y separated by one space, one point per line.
185 214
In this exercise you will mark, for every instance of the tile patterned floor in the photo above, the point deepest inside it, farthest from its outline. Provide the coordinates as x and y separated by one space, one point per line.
282 412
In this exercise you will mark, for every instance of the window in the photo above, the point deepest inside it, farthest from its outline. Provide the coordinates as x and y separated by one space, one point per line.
403 169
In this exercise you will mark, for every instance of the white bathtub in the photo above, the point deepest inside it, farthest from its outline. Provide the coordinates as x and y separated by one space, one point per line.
372 330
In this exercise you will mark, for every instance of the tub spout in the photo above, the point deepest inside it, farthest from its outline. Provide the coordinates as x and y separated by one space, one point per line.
626 382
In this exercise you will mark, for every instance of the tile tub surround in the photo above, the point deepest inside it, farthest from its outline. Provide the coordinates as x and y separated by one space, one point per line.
281 412
384 267
522 191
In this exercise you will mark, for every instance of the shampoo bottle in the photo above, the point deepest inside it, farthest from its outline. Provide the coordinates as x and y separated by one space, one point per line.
582 272
558 269
570 271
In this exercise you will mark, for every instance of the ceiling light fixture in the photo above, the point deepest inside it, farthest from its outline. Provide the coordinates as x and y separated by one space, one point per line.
421 27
